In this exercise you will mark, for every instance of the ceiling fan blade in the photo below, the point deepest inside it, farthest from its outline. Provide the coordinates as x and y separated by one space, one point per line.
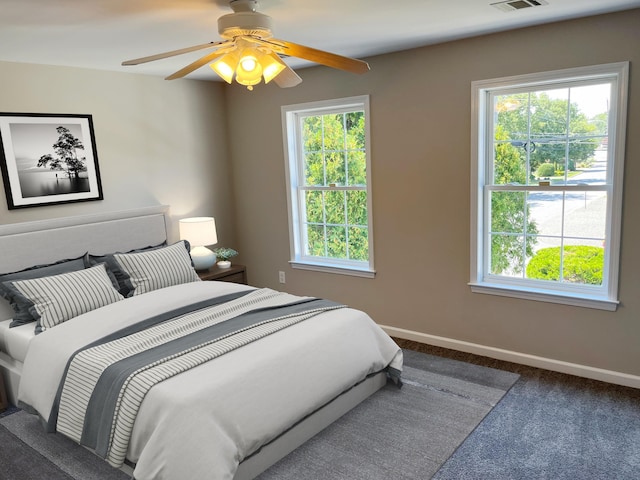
319 56
287 78
173 53
197 64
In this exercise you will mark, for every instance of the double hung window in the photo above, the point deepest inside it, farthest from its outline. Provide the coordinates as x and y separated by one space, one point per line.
329 197
547 165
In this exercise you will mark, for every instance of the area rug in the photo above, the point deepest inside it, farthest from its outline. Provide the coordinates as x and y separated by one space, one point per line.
400 434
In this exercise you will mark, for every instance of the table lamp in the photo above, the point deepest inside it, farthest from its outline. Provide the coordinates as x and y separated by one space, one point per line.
200 231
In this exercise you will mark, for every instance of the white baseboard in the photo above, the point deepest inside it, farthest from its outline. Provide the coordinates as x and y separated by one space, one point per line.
585 371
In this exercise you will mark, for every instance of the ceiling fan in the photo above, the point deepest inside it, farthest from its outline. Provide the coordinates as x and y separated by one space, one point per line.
249 52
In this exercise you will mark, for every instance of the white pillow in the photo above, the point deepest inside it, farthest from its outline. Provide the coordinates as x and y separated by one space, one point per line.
58 298
154 269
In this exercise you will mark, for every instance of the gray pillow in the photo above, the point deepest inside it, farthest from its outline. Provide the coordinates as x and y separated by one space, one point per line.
143 272
55 299
22 314
96 259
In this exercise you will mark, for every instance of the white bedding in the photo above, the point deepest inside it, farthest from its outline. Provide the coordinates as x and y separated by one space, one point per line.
204 422
15 341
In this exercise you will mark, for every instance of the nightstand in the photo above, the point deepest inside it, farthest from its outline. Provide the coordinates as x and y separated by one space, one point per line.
235 274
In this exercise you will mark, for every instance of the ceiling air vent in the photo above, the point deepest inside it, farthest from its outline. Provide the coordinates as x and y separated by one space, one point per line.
511 5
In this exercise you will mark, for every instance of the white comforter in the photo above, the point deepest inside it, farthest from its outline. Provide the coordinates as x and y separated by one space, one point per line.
203 423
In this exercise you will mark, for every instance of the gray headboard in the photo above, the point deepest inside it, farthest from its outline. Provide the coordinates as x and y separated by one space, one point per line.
23 245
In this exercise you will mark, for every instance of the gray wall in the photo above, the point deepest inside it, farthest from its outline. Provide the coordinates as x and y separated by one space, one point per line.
158 142
420 124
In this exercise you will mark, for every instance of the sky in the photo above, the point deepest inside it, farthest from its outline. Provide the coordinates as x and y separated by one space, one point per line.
31 140
592 99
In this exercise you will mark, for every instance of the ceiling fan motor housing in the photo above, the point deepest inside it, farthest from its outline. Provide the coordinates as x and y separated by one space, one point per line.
254 24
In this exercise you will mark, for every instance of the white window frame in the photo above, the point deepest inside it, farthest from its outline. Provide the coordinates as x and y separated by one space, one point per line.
604 297
294 167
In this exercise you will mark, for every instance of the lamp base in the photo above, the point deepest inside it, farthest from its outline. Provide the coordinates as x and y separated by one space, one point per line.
203 258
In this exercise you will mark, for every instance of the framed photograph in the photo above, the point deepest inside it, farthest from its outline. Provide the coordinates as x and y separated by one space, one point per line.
48 159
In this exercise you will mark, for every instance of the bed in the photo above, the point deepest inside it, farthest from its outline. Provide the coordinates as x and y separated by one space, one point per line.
248 374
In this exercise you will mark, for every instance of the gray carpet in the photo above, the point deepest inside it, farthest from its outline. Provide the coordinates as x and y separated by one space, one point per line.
28 453
550 426
399 434
556 427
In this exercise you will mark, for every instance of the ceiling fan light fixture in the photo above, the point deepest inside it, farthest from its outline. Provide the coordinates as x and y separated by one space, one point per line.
248 63
248 67
272 66
226 67
249 71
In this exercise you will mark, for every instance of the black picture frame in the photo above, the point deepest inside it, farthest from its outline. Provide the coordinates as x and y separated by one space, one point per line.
48 159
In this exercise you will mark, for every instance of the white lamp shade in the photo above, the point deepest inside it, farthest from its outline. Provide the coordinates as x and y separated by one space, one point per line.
200 231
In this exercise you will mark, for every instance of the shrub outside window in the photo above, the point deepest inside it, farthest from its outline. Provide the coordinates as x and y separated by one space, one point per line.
547 165
329 198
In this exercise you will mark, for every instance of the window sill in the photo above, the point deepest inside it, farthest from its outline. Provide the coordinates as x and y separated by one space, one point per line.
353 271
546 296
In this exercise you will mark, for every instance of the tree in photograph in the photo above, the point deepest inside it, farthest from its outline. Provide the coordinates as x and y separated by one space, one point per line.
66 149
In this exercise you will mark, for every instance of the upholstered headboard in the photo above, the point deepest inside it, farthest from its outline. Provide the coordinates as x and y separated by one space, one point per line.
24 245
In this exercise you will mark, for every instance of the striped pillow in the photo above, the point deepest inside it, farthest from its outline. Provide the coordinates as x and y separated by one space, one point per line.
150 270
21 314
58 298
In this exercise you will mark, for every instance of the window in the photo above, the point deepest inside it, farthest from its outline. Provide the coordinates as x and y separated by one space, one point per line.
547 165
329 195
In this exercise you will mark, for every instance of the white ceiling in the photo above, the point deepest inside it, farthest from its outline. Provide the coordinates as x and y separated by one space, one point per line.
100 34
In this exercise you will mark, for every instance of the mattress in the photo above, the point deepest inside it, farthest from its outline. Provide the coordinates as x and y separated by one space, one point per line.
15 341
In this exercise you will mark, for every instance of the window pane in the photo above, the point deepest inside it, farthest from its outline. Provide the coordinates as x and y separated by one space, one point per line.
312 134
545 211
337 242
333 131
586 215
548 161
507 212
358 243
593 101
334 207
507 255
511 115
510 161
355 130
583 264
357 168
545 262
315 240
314 209
549 114
335 165
313 169
589 160
357 207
